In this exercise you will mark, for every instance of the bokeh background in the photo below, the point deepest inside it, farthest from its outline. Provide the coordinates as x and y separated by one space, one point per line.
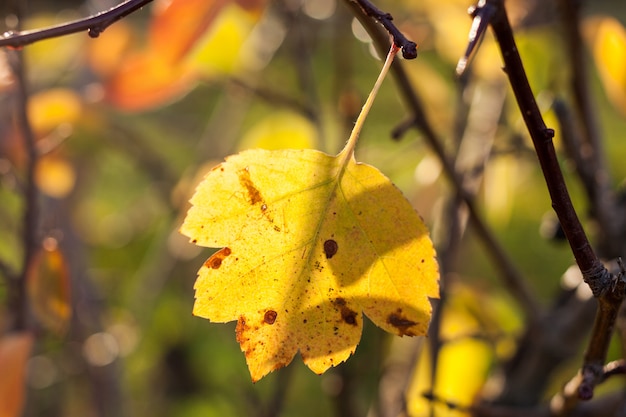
127 123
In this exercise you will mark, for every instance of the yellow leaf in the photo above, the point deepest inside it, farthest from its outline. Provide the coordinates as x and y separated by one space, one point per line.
609 50
483 326
280 130
218 51
55 176
458 380
50 108
309 242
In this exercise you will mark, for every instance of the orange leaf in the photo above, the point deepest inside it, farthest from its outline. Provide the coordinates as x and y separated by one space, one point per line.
147 80
177 24
106 52
48 287
162 72
14 352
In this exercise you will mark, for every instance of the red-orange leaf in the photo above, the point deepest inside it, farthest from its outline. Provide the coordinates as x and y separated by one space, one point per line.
14 352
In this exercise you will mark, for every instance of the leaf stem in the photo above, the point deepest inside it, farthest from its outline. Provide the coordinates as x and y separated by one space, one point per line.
512 277
18 297
348 150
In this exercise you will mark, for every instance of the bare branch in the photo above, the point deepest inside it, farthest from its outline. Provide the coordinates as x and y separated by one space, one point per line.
94 25
609 289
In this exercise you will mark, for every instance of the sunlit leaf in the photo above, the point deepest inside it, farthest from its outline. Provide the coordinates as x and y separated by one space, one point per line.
48 287
310 241
15 350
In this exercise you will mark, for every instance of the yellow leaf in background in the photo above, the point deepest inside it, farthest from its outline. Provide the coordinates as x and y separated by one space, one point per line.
461 372
15 350
48 287
55 176
309 242
60 54
609 50
218 51
50 108
281 130
476 327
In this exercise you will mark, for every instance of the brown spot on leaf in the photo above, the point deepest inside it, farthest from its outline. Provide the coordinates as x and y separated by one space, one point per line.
330 248
401 323
347 315
270 316
215 261
241 328
254 195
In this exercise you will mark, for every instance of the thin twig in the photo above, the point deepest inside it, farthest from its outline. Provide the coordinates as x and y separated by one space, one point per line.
18 302
510 274
94 25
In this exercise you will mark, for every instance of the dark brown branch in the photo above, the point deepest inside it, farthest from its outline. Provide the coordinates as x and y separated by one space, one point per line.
606 287
594 272
593 168
17 301
409 48
513 279
94 25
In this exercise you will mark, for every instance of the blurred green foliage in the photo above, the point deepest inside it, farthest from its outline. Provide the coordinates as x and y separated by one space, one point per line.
132 274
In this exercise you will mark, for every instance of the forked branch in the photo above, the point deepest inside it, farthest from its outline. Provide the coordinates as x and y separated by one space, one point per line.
608 288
